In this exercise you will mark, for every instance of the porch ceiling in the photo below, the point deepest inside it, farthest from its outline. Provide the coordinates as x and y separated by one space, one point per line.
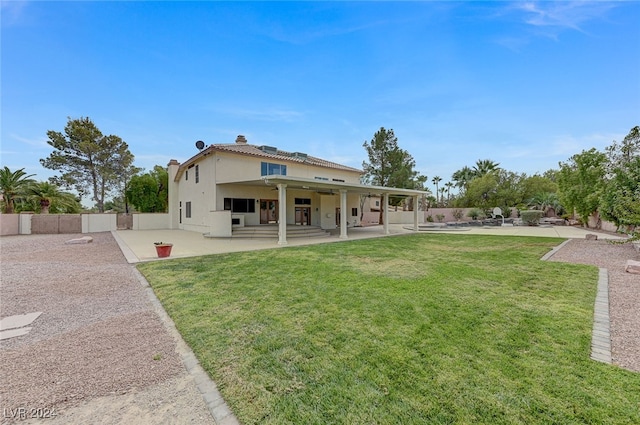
333 186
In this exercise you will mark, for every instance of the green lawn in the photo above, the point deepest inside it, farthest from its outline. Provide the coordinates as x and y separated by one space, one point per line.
424 329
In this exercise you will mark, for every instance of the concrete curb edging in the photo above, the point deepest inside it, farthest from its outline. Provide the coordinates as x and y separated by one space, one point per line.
218 408
601 339
124 248
551 253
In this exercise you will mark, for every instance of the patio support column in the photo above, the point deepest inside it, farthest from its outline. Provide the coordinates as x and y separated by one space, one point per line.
282 214
415 213
343 214
385 213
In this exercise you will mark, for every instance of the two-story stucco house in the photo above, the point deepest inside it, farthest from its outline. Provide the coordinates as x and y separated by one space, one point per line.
239 184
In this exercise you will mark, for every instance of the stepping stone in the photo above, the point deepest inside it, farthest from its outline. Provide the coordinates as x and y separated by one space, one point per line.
632 267
13 333
18 321
84 239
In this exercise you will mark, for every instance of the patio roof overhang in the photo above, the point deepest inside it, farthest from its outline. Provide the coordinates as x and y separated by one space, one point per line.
330 187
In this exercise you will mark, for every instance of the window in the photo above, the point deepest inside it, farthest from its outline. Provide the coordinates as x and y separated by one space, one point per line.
321 178
354 212
377 203
240 205
186 173
338 180
270 169
187 213
197 173
303 201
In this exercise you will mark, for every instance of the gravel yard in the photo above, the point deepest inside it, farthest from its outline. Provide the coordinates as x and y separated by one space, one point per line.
100 354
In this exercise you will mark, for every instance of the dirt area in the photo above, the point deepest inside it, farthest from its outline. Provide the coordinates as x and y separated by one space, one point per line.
99 353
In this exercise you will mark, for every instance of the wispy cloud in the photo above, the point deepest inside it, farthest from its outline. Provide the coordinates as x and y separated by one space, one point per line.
562 14
40 142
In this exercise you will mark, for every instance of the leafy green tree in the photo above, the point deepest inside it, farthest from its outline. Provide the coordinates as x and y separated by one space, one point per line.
12 187
89 161
581 181
149 192
389 165
481 191
620 201
537 184
620 155
47 197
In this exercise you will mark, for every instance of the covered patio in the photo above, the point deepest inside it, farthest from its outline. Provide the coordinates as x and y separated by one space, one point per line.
282 183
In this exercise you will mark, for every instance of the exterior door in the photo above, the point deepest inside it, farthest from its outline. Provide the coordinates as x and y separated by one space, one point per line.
303 216
268 211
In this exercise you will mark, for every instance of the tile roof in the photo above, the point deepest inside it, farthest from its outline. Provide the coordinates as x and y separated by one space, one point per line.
265 152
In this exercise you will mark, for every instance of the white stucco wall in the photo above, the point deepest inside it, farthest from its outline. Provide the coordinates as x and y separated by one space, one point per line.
220 170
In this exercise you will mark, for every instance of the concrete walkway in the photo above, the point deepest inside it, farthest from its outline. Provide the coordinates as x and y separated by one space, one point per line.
137 245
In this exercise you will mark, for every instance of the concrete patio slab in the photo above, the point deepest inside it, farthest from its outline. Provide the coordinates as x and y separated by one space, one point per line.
138 245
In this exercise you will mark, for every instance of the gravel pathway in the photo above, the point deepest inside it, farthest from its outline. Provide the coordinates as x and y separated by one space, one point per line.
624 293
98 346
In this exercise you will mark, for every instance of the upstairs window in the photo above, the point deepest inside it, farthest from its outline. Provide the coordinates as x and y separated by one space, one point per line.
271 169
197 173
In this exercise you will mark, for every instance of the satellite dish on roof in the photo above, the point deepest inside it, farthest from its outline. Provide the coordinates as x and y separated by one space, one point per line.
200 144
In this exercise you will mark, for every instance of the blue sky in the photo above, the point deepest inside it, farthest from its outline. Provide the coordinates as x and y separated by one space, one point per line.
525 84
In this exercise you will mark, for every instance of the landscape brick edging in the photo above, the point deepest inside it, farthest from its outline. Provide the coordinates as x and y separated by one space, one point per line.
221 413
601 334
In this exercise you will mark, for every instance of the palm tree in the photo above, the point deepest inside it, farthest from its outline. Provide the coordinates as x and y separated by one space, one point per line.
442 190
436 180
47 195
484 166
12 186
544 201
448 185
462 177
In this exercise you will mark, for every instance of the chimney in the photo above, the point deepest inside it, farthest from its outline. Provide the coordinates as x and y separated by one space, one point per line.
241 140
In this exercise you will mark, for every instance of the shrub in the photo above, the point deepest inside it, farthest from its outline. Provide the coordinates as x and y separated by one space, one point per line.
474 213
430 218
457 214
440 217
531 217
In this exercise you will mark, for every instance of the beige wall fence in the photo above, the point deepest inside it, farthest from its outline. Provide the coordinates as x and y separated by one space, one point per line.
29 223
